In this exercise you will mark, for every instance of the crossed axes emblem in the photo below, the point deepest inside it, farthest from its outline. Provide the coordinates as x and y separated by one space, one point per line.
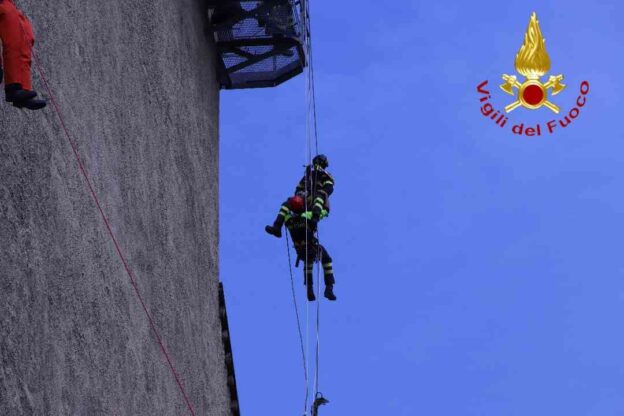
532 93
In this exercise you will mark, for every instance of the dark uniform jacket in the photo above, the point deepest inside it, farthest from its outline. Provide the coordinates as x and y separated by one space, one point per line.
301 229
319 184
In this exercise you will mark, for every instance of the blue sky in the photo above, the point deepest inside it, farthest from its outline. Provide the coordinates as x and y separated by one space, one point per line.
478 272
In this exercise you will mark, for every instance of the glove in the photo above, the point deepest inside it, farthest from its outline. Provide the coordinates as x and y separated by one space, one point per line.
315 217
312 219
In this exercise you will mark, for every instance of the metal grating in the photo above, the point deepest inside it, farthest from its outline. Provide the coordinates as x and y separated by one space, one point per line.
259 41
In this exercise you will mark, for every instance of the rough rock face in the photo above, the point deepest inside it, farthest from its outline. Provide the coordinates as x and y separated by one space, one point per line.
136 82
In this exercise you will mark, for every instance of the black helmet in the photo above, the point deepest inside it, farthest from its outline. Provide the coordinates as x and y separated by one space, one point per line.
320 160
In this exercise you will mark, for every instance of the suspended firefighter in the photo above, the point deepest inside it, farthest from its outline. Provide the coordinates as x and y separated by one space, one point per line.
317 185
309 250
17 38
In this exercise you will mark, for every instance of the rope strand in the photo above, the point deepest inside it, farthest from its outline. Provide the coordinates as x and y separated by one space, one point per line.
312 137
294 296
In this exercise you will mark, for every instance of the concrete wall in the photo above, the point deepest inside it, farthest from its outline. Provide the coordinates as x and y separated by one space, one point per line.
136 82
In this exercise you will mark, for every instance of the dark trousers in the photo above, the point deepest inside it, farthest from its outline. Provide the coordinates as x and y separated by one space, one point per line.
315 252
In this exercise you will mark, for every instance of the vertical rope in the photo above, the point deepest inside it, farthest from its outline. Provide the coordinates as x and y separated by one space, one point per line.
303 353
312 135
318 322
307 155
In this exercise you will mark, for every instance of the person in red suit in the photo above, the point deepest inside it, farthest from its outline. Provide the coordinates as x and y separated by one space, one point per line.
17 38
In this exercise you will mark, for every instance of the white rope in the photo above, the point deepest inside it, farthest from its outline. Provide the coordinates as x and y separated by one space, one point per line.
311 144
312 134
307 161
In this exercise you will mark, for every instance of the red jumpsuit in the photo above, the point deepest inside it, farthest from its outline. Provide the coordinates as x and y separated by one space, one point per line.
17 38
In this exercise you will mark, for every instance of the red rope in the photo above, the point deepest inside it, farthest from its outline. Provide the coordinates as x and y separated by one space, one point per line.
110 232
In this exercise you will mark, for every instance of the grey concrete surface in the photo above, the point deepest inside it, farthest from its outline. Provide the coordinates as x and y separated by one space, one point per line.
136 82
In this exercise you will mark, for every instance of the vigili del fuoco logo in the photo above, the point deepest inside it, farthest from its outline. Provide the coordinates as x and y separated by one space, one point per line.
532 62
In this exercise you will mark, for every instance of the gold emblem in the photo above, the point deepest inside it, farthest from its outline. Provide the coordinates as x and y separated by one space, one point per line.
533 62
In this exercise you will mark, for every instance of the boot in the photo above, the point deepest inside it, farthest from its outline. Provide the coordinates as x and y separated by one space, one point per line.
14 93
329 292
311 296
273 230
31 104
22 98
276 228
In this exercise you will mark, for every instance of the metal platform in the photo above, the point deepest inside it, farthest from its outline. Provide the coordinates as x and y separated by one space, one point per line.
259 41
